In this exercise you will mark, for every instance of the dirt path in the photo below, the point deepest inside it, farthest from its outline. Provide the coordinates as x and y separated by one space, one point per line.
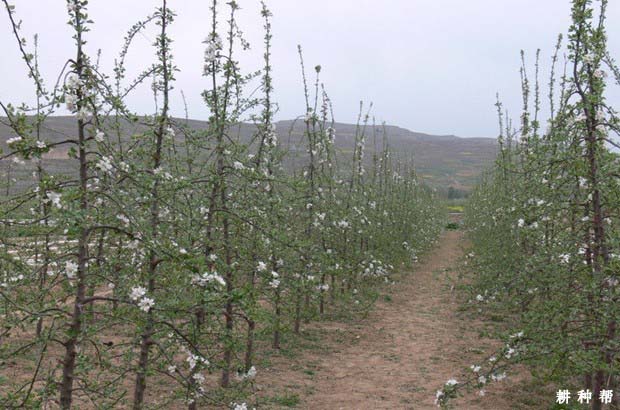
401 354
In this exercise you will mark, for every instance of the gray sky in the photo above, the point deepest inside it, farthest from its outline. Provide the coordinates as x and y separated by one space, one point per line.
428 65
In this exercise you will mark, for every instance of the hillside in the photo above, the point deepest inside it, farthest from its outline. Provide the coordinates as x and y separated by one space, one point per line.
441 160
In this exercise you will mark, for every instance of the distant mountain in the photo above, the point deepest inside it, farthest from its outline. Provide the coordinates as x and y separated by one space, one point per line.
441 160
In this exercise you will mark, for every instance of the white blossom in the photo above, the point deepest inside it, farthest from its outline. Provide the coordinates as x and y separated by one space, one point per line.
498 377
71 101
54 198
199 378
214 45
137 292
105 164
600 74
13 140
99 136
343 224
71 269
146 304
208 277
438 396
238 165
249 375
192 360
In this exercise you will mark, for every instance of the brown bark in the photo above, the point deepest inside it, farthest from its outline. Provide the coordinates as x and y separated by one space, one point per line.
75 326
145 339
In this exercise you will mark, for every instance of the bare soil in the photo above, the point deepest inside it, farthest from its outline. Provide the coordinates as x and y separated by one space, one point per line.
411 343
413 340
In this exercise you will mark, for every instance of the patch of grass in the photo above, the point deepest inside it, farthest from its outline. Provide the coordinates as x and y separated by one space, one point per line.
436 359
453 226
392 357
287 400
411 388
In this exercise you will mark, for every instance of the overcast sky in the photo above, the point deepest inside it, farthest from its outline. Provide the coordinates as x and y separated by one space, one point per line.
427 65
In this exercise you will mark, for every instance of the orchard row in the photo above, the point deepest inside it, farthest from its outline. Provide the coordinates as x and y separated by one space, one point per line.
150 276
544 223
